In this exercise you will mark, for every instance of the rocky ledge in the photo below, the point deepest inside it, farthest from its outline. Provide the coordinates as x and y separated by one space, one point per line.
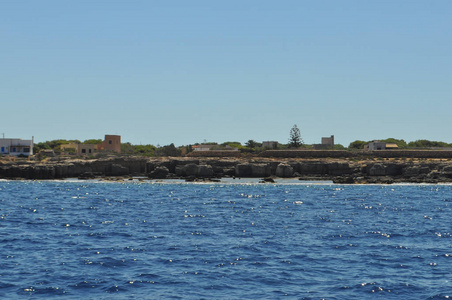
339 171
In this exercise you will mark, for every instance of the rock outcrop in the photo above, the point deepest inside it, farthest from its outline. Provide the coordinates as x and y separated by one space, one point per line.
339 171
284 170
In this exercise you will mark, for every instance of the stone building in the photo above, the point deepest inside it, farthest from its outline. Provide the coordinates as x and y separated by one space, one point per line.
78 149
327 143
111 143
270 144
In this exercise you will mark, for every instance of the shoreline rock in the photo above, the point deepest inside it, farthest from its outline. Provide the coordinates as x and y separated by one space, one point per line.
343 171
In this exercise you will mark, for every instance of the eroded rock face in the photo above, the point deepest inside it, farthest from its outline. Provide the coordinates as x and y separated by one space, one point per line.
243 170
159 173
161 168
116 170
377 170
312 168
384 169
205 171
260 170
193 170
393 169
414 171
187 170
445 172
253 170
175 164
284 170
336 169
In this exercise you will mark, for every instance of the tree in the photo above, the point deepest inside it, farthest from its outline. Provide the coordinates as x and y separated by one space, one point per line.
142 150
295 139
252 144
168 150
427 144
93 141
401 144
357 145
54 144
338 147
231 144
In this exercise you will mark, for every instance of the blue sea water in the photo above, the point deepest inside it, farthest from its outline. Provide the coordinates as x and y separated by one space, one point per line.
143 240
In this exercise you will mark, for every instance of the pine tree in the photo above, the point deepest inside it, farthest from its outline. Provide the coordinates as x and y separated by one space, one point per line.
295 139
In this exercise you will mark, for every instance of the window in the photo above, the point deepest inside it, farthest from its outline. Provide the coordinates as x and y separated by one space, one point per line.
89 150
3 149
14 149
110 142
83 150
26 150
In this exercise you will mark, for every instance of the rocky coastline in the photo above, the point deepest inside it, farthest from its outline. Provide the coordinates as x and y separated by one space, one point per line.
344 171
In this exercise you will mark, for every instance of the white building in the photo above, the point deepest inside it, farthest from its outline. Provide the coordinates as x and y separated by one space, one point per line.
203 147
16 147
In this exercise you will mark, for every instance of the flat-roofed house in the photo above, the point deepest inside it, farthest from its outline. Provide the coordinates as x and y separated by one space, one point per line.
16 147
204 147
377 145
79 149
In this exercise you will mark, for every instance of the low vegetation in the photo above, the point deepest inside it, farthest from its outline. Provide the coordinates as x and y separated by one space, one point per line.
250 147
401 144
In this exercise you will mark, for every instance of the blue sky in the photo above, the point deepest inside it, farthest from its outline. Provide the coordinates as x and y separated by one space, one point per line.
160 72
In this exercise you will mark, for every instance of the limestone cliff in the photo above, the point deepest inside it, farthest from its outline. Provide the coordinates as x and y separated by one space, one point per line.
337 170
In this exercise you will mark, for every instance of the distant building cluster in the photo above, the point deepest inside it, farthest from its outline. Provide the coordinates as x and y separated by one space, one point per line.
111 143
18 147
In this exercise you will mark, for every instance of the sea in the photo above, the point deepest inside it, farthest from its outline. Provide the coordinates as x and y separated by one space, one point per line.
233 239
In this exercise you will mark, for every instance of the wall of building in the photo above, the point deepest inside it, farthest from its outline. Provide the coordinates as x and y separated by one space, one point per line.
85 149
376 146
16 147
111 143
270 144
68 148
328 141
203 147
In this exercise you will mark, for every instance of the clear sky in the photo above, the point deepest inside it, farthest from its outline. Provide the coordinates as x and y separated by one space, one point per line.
161 72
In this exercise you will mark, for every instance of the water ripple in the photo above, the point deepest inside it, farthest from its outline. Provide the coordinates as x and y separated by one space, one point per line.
201 241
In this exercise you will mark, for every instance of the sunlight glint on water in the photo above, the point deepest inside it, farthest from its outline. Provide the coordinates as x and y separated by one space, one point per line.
224 240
